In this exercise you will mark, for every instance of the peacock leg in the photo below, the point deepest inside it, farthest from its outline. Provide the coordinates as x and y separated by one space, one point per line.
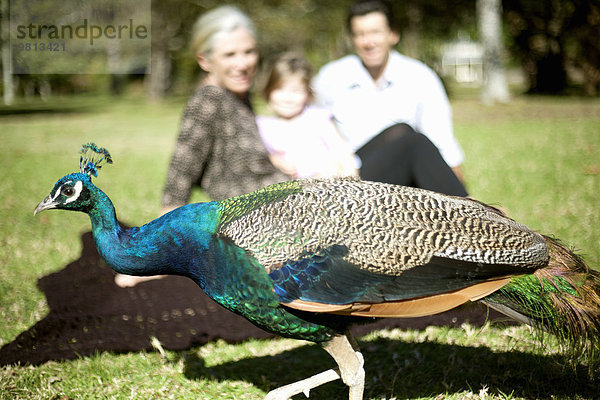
346 354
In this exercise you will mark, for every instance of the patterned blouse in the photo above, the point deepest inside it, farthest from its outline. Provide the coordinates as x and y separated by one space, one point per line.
219 149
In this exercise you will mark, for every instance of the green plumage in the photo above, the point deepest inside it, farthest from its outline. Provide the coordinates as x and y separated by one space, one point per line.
247 290
562 299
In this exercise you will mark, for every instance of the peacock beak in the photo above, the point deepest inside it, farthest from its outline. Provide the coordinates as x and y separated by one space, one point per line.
46 204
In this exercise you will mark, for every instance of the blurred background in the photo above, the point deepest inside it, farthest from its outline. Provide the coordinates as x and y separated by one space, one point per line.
544 47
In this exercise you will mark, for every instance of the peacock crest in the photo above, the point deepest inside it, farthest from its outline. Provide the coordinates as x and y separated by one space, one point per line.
92 158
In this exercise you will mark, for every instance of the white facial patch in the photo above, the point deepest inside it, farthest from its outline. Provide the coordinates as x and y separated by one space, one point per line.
78 188
59 190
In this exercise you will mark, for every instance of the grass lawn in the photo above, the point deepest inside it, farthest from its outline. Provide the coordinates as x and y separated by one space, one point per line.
537 158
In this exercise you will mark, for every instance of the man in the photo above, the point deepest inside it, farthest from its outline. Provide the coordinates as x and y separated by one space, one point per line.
379 98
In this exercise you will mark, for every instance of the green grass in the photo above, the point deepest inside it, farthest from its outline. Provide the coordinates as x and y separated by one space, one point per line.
537 158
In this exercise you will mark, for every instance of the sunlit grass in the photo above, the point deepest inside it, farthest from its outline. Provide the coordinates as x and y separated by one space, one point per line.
537 158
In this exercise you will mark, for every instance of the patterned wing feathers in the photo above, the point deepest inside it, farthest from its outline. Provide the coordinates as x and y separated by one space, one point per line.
388 229
359 248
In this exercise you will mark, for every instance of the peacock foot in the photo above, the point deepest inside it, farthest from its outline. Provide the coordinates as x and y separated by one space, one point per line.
303 386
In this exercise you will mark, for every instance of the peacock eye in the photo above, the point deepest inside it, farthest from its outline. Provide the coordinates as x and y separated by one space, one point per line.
68 191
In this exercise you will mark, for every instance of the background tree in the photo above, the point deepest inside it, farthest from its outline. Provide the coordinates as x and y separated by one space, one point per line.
7 81
489 22
553 38
172 22
555 41
585 44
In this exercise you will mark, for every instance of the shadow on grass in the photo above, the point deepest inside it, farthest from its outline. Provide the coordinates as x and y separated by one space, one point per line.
395 369
89 313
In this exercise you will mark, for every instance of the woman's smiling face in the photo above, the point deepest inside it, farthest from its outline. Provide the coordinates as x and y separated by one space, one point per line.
232 62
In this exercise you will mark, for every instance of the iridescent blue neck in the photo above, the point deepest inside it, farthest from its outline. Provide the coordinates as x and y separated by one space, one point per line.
172 244
103 215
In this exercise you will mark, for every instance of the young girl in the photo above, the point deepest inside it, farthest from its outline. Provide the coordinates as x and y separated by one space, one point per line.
301 138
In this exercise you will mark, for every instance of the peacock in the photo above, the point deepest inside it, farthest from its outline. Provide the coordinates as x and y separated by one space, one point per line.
306 259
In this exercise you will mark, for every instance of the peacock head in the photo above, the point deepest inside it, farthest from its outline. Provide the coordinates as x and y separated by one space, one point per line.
76 191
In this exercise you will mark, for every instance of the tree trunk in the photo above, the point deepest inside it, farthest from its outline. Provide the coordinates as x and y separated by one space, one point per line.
157 82
489 21
411 41
7 77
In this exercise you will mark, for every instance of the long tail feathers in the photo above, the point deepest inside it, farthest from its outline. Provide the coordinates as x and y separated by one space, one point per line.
562 298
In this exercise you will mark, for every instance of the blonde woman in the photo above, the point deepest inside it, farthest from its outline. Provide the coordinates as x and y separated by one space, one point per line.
218 148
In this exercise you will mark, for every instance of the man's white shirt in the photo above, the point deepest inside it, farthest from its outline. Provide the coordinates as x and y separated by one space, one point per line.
408 92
